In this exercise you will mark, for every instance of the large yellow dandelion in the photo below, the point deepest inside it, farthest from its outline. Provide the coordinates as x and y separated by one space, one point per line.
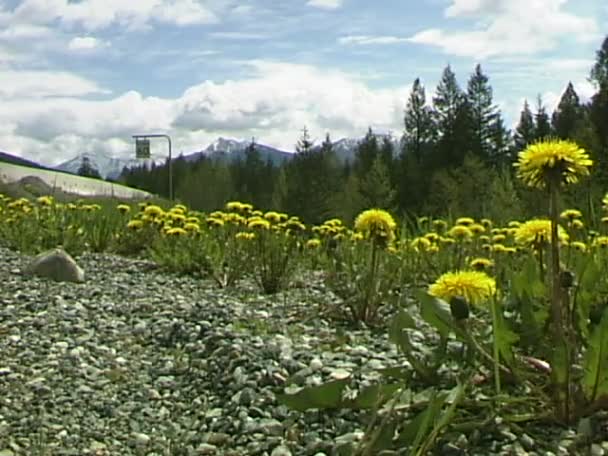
538 231
377 224
555 157
475 286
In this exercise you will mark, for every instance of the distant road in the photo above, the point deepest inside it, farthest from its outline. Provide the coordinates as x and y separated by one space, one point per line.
69 183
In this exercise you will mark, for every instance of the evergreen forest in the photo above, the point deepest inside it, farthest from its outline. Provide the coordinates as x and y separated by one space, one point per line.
455 156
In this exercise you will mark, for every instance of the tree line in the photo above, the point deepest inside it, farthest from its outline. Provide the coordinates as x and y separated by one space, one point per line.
454 157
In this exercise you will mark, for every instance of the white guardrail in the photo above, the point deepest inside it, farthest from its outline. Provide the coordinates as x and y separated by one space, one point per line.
70 183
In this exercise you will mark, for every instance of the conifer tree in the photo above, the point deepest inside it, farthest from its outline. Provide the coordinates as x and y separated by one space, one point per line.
484 115
568 114
541 120
419 131
453 121
525 132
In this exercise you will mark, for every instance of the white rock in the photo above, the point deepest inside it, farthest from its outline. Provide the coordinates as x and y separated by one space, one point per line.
57 265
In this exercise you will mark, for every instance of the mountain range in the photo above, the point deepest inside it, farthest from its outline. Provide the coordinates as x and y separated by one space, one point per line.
222 149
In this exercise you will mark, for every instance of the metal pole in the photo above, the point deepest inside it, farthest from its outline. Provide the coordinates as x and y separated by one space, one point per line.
170 164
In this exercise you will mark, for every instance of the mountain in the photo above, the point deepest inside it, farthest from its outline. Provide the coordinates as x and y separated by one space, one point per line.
233 149
224 149
108 167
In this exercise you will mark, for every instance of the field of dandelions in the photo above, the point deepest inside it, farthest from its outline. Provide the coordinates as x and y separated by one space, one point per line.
500 333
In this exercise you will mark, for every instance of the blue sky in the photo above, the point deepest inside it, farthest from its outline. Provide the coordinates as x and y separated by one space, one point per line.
85 75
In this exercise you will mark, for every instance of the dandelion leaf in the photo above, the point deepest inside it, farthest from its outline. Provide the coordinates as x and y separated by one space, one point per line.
595 362
326 396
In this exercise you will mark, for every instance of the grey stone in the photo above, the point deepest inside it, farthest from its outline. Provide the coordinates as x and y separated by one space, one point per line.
56 264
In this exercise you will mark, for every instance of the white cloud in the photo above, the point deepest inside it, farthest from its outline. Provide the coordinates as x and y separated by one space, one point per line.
272 105
40 84
99 14
367 39
325 4
86 43
509 27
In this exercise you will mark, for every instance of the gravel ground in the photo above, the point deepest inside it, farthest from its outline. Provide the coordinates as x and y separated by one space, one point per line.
139 362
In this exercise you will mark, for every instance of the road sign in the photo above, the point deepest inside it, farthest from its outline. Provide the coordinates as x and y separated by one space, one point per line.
142 148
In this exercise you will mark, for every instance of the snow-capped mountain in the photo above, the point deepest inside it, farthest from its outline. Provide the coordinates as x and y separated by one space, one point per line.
227 149
231 149
108 167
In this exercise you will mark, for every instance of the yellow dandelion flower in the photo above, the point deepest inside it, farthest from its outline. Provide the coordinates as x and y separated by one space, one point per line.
192 227
498 238
477 228
440 225
234 206
258 223
356 237
481 264
123 208
465 221
601 242
447 240
460 232
193 219
571 214
135 225
45 200
333 222
576 224
487 223
214 222
475 286
580 246
176 232
432 236
153 210
377 224
244 236
313 243
179 208
484 238
564 158
420 244
499 248
536 231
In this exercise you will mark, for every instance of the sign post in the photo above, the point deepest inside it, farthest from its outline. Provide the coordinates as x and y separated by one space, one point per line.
142 150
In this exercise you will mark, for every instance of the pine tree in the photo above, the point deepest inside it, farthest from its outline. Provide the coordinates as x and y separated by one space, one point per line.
568 114
419 129
365 154
87 170
599 72
541 120
452 114
484 114
525 132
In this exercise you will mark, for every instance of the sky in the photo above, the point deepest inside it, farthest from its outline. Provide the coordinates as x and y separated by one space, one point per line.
85 75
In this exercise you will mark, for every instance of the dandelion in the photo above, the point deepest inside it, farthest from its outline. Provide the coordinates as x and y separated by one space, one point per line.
440 225
580 246
486 223
214 222
432 236
546 159
460 232
123 208
192 227
273 217
570 214
176 232
45 200
481 264
420 244
601 242
475 286
258 223
513 224
153 210
376 224
477 228
135 225
244 236
576 224
465 221
313 243
536 231
498 238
